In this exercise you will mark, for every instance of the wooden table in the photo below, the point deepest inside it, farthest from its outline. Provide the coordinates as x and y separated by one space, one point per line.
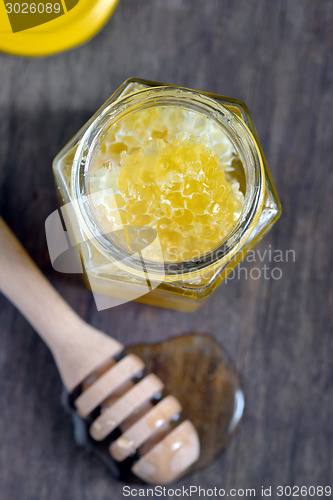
277 56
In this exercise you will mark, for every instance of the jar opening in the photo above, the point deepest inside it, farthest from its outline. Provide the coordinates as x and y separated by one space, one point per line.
198 109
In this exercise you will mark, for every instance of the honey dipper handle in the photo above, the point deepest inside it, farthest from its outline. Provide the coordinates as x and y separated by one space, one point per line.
77 347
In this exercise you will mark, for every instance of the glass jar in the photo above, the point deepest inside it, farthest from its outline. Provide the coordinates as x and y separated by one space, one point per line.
119 275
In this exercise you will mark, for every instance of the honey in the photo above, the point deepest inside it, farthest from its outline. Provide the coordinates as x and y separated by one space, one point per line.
183 167
168 180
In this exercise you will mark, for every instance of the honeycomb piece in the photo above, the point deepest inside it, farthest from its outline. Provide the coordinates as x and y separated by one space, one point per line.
168 179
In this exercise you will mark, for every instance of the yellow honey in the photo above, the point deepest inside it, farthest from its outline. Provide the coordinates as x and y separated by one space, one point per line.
170 170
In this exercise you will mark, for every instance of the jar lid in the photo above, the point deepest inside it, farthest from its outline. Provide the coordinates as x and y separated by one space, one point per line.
44 27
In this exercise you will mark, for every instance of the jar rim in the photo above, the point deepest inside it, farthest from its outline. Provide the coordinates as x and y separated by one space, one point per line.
236 130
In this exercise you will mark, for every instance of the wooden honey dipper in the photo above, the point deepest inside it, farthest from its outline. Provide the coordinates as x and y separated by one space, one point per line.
86 357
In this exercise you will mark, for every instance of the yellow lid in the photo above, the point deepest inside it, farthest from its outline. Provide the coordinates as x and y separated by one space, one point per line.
44 27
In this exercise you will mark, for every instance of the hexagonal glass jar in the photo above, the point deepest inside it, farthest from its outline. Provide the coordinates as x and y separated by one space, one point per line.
181 285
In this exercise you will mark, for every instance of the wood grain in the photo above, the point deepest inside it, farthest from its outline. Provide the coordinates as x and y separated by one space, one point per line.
278 57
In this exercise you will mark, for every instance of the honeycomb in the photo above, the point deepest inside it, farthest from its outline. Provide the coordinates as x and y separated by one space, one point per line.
169 169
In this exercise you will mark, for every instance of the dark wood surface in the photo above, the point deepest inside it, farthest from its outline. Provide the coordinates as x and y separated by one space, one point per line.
276 55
